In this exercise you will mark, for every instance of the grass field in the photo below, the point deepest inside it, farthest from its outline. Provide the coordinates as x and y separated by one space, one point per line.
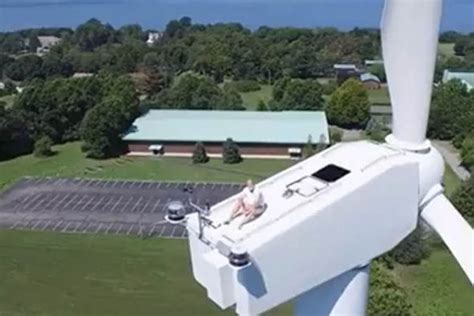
446 49
251 99
61 274
8 99
437 286
70 162
379 97
451 180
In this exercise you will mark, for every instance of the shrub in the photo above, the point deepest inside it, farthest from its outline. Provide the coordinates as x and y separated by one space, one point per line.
463 199
308 149
335 134
261 106
412 250
200 154
231 152
386 297
43 147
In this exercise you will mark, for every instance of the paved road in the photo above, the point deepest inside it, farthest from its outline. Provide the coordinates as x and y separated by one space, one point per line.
452 158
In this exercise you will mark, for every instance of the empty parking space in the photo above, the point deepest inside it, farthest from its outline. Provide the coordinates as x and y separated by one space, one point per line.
84 206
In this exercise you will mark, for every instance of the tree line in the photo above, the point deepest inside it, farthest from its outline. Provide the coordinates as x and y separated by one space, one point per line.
96 110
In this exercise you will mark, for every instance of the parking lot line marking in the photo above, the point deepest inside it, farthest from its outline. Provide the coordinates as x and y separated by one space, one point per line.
122 209
86 228
184 233
79 202
158 186
117 203
46 225
130 229
98 203
66 227
174 228
117 231
57 225
99 227
37 195
62 200
162 231
87 203
145 206
138 201
65 207
78 224
155 206
37 223
15 224
108 228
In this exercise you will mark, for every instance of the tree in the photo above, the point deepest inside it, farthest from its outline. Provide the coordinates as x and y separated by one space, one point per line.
231 100
349 105
5 60
261 106
463 199
25 67
93 34
379 71
308 150
335 135
43 147
199 154
231 152
386 296
298 95
467 151
14 138
191 92
103 124
450 108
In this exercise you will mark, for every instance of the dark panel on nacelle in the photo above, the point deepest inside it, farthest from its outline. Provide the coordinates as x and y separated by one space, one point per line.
331 173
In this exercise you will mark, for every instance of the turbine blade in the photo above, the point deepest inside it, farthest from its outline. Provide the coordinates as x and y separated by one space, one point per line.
456 233
409 47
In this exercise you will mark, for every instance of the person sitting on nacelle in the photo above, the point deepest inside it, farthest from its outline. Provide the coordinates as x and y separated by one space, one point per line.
250 204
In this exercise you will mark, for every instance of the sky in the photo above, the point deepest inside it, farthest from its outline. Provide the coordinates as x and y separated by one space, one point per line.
154 14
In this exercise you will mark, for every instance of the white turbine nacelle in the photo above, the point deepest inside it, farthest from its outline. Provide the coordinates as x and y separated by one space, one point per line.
351 203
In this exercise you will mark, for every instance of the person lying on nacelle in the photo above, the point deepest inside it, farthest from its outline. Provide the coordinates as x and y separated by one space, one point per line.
250 204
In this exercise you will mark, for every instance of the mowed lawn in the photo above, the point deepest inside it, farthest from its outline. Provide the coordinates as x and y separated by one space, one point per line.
251 99
70 162
66 274
438 286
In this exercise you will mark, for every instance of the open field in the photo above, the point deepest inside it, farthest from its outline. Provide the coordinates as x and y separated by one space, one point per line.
68 274
446 49
251 99
70 162
437 286
8 99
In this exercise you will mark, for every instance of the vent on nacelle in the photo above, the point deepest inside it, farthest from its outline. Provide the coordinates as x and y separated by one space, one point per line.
330 173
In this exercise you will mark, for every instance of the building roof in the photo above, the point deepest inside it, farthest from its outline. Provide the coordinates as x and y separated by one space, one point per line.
48 41
368 76
241 126
466 77
345 66
369 62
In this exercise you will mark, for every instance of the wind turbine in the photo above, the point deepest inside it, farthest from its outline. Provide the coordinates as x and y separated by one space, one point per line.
331 214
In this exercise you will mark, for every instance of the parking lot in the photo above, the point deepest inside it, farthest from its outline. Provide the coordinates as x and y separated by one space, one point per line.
102 206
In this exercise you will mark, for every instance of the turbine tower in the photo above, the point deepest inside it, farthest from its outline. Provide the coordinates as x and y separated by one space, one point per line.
328 216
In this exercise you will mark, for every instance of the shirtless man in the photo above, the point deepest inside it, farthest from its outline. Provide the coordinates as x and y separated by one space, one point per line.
250 204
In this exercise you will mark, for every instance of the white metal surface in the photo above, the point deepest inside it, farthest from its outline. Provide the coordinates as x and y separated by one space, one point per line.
409 45
456 233
346 294
305 240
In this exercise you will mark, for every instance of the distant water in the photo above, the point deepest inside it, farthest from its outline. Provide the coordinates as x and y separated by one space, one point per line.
344 14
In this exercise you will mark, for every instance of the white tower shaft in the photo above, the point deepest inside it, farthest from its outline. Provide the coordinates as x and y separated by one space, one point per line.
409 43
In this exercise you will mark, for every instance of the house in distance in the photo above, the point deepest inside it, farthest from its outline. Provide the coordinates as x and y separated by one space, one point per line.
258 134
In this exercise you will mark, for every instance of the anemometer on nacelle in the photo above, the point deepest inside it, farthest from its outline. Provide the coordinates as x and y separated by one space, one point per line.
328 216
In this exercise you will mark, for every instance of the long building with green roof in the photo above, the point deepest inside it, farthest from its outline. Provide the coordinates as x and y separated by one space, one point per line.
175 132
